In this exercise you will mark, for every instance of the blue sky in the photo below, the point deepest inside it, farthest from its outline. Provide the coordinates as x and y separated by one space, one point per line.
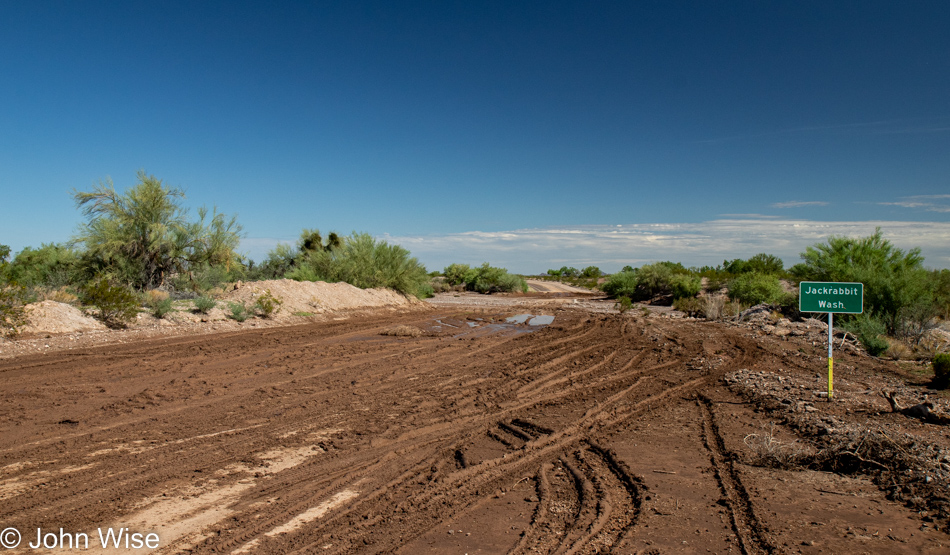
527 134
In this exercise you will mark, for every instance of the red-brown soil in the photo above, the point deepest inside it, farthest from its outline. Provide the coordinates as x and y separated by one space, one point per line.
597 433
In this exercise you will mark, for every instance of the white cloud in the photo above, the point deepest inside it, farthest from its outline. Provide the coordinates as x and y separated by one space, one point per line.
799 204
922 202
694 244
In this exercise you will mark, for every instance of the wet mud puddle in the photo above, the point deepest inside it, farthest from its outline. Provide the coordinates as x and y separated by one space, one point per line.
478 327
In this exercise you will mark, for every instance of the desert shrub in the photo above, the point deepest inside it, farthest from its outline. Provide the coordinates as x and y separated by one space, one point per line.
52 265
590 272
61 295
870 332
440 285
365 262
754 288
768 451
239 311
267 304
160 307
204 304
425 291
654 279
941 367
12 311
304 273
117 306
279 261
621 284
455 273
623 304
312 241
761 263
713 306
685 285
489 279
691 306
898 349
205 277
941 285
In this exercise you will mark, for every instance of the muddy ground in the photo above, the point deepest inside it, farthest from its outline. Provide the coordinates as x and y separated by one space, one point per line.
448 430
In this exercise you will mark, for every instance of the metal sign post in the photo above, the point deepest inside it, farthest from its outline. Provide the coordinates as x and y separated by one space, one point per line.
831 297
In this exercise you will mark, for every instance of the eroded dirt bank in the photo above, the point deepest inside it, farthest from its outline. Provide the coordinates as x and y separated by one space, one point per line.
596 433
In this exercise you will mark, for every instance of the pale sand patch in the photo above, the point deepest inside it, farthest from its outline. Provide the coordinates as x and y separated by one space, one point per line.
314 513
180 520
303 518
12 487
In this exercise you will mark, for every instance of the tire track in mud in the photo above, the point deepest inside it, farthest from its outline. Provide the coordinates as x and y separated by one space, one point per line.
466 486
745 524
399 470
492 478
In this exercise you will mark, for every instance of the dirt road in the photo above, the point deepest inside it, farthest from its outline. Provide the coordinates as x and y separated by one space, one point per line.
596 433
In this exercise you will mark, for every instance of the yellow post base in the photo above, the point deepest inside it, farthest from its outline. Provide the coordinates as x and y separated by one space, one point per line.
831 373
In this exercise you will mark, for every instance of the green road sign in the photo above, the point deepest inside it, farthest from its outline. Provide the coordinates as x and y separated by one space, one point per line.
842 298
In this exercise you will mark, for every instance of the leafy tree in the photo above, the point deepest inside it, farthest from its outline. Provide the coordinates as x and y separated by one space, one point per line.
654 279
621 284
569 272
312 241
897 289
142 236
590 272
52 265
761 263
4 254
685 286
455 273
488 279
279 261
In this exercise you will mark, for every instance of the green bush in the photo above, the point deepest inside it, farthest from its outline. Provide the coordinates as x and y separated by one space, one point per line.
941 366
754 288
365 262
239 311
204 304
425 291
278 263
685 286
51 265
624 304
621 284
761 263
267 304
590 272
455 273
117 306
489 279
12 311
304 273
870 332
160 307
654 279
692 306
